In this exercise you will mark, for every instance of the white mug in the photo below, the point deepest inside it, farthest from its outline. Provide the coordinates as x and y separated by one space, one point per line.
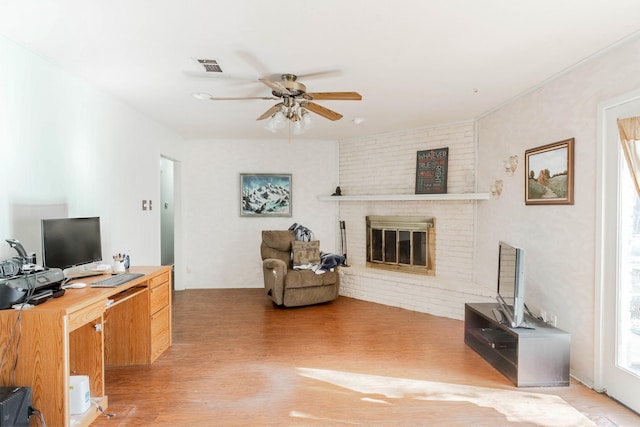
118 267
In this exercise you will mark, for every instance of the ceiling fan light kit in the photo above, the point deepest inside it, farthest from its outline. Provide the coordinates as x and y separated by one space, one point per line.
289 110
295 103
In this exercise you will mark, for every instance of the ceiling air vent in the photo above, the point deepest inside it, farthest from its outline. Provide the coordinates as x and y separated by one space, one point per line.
210 65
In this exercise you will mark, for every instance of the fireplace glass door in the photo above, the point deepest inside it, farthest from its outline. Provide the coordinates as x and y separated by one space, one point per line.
399 243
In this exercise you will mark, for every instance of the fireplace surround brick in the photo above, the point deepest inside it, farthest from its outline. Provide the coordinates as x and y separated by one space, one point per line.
385 164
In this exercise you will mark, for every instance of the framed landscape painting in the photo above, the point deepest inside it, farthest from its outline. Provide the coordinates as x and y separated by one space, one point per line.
549 174
265 194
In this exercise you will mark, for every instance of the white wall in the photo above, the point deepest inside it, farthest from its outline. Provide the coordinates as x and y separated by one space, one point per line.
67 149
222 249
559 240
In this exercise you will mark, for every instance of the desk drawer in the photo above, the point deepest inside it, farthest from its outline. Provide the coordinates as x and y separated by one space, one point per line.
160 332
159 296
86 315
159 279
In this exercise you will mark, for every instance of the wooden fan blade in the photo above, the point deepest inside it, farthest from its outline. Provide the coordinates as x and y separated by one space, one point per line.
338 96
213 98
270 112
276 86
319 109
317 74
254 62
304 76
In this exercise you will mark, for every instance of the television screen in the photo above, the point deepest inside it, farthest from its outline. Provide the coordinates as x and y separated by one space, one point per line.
70 242
511 283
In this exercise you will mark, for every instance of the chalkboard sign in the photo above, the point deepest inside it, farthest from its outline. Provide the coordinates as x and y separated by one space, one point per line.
431 171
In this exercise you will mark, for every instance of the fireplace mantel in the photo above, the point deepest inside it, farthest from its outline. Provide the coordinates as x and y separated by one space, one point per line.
391 197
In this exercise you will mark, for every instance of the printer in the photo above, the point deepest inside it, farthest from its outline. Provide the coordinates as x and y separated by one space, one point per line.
22 281
33 287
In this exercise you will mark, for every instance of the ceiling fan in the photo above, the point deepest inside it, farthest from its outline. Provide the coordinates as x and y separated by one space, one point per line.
294 99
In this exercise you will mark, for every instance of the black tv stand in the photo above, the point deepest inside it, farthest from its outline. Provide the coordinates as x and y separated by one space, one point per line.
527 357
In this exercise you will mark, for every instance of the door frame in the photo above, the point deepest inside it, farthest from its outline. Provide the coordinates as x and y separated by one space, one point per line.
178 244
167 207
606 224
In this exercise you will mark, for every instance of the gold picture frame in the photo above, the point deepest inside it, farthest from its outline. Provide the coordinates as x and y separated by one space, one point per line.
549 174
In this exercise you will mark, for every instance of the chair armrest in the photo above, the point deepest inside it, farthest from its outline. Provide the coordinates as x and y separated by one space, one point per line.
273 263
274 271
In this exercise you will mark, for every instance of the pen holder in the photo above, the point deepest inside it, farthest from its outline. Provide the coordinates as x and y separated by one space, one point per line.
118 267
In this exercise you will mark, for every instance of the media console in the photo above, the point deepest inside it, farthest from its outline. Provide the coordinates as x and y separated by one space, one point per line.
81 332
527 357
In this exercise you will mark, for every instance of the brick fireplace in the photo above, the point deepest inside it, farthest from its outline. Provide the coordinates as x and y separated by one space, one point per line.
386 164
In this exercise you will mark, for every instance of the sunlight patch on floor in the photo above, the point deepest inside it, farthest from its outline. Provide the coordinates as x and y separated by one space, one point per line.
516 406
369 399
298 414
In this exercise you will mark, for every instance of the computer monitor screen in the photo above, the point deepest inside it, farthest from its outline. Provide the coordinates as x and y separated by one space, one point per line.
70 242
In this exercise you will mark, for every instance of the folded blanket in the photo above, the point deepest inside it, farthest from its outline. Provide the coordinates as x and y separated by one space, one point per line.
328 261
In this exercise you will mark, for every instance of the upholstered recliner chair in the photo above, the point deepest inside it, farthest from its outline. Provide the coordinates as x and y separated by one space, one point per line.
288 286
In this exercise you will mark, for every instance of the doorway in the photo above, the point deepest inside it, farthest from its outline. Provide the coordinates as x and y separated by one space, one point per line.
167 211
618 261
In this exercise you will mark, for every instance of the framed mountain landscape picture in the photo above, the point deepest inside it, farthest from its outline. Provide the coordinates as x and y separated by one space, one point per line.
265 194
549 174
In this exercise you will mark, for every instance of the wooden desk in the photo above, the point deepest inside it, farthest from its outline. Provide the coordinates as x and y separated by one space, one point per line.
81 332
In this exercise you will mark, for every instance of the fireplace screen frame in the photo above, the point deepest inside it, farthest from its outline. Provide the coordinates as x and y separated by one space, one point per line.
406 253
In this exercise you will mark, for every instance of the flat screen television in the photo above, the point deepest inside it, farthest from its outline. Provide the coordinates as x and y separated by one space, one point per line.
71 242
511 283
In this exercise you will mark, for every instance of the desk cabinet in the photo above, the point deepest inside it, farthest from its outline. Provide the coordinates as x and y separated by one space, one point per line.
527 357
138 323
160 317
80 332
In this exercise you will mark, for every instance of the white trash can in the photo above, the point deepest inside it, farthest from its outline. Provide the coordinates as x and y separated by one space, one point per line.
79 394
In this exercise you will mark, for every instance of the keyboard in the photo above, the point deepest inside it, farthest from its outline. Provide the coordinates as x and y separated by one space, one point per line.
117 280
81 274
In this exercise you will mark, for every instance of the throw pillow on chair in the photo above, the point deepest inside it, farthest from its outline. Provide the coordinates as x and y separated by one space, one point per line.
306 253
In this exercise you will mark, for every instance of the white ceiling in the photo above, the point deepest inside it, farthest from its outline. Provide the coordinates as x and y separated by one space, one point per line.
415 62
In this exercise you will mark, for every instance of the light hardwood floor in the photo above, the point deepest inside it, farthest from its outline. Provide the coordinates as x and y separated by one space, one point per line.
237 360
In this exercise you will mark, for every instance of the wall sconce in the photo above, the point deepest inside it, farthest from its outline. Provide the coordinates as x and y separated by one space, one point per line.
496 189
510 165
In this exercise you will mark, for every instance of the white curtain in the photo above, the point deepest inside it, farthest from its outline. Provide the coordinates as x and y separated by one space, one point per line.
629 130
